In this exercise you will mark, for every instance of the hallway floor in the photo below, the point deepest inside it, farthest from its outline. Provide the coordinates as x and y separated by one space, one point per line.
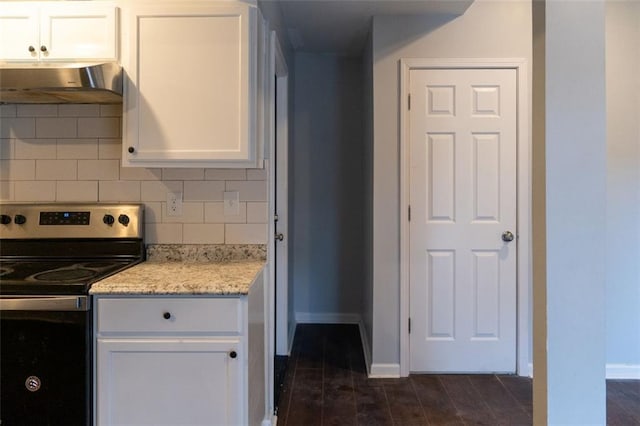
326 384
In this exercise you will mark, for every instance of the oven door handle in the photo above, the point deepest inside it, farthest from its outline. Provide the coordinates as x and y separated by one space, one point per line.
44 303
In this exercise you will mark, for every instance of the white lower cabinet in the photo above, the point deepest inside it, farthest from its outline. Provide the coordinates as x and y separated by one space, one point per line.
171 360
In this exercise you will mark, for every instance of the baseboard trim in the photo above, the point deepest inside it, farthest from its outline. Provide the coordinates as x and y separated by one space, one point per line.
379 371
292 334
623 371
326 318
614 371
366 349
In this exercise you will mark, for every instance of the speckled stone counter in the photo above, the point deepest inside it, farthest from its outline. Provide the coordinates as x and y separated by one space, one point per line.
182 278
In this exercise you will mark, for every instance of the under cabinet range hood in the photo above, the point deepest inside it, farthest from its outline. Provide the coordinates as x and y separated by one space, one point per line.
56 83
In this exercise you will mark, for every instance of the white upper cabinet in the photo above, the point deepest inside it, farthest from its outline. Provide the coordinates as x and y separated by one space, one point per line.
58 31
190 84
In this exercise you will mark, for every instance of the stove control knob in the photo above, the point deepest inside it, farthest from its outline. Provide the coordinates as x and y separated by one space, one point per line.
5 219
108 219
20 219
123 219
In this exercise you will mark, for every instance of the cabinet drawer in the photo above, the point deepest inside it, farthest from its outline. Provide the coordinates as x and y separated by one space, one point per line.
169 315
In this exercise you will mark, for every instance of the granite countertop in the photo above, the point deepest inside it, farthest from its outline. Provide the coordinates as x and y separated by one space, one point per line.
182 278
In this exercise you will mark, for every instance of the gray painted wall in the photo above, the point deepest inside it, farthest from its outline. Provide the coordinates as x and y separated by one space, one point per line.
488 29
327 180
576 175
623 182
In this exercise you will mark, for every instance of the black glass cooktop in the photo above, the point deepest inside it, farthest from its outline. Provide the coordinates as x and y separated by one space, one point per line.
30 277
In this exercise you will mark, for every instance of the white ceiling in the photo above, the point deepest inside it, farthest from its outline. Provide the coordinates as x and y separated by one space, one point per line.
341 26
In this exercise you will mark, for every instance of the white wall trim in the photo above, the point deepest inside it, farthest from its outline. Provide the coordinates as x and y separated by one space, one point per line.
274 65
623 371
327 318
270 422
613 371
523 204
291 334
380 371
366 348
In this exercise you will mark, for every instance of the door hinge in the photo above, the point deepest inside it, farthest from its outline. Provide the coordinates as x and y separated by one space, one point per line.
409 102
409 213
275 217
409 325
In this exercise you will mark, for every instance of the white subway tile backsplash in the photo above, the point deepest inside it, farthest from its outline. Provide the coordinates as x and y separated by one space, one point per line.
80 149
214 213
153 212
79 110
56 169
183 174
163 233
191 213
18 128
249 233
71 153
157 191
118 190
256 174
33 149
257 213
17 170
74 190
249 190
6 190
225 174
37 110
110 110
56 127
103 127
8 110
203 234
98 169
139 173
7 149
35 191
110 149
203 190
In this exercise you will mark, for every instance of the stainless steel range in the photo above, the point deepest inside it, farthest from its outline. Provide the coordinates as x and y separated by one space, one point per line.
50 255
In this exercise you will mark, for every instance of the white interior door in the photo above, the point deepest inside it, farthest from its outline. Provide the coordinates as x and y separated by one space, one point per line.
463 199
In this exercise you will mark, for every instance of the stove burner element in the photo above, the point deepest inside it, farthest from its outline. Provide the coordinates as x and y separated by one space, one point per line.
69 273
65 275
5 271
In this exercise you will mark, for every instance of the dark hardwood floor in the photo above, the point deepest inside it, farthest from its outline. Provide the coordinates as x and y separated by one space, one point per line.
326 384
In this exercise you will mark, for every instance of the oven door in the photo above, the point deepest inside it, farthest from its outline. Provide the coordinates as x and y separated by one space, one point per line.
45 360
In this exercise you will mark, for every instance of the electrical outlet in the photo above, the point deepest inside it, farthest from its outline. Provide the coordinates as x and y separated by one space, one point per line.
174 203
231 203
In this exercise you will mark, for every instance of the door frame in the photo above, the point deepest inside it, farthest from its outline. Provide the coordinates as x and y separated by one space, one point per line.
279 144
278 133
524 192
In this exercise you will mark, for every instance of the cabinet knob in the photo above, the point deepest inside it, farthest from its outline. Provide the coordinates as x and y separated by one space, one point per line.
166 315
131 150
32 49
43 48
233 354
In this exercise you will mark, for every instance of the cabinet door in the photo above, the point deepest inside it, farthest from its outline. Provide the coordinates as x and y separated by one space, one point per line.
18 31
169 382
78 30
190 86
